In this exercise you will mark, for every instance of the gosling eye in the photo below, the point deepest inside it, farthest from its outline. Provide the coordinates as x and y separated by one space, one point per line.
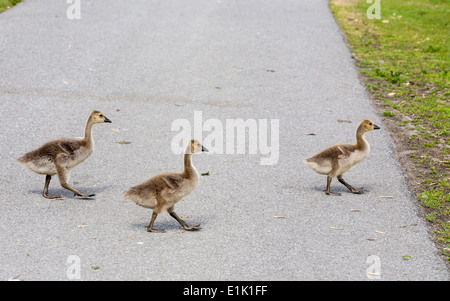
370 123
101 115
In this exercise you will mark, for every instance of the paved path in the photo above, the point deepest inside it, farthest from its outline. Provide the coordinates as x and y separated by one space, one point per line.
148 64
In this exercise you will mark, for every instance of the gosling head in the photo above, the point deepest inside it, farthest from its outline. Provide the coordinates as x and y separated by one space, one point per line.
195 147
368 125
99 117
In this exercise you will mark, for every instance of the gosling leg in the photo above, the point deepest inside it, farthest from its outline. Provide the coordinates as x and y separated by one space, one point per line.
76 192
350 187
45 191
183 223
327 190
63 176
152 221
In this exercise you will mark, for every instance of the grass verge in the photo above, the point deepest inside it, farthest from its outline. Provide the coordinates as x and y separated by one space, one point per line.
6 4
404 59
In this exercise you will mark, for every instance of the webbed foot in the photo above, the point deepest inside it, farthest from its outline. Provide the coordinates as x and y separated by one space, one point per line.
332 193
83 195
191 228
52 196
156 230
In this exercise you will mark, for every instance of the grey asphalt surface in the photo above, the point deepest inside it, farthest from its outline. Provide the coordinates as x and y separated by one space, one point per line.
148 63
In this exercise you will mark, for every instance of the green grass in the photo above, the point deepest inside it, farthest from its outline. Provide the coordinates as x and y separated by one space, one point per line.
6 4
405 60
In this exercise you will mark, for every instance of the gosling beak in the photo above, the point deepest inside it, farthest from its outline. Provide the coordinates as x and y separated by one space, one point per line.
107 120
204 149
376 127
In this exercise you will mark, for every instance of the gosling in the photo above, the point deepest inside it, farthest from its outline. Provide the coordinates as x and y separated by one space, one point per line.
163 191
335 160
58 157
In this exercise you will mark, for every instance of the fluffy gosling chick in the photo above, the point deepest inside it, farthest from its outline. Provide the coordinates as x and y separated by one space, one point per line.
60 156
163 191
335 160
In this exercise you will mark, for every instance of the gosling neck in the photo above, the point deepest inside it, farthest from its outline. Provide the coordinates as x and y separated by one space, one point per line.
361 142
88 132
189 169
